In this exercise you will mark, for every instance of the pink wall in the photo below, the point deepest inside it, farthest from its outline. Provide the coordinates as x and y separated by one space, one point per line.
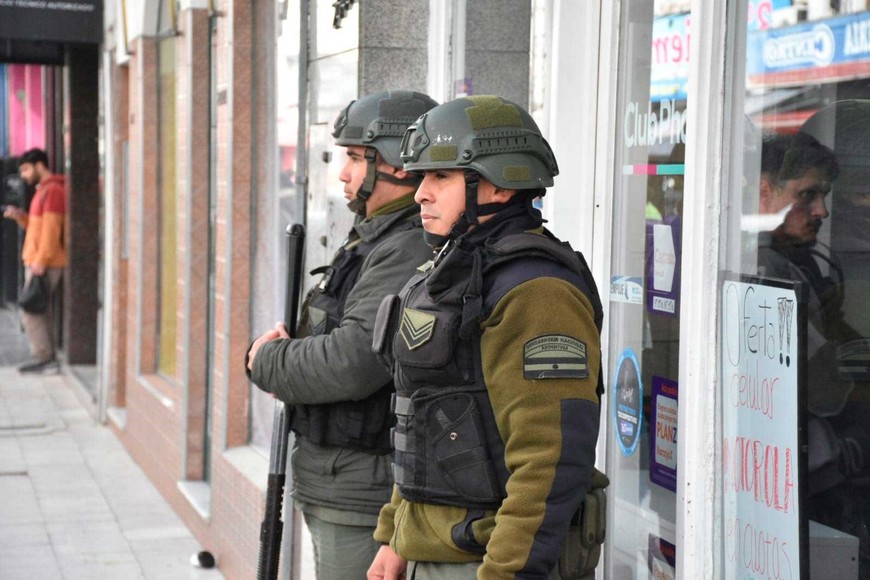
26 108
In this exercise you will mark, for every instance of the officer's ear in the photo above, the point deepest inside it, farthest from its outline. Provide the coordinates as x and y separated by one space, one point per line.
401 173
500 195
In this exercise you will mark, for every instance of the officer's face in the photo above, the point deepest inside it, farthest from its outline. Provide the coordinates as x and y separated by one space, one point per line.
441 196
354 171
806 195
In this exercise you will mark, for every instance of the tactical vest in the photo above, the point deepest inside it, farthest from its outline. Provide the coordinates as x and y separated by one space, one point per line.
362 425
447 447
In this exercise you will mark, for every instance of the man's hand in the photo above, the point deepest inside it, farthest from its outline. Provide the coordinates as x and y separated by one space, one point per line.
37 269
388 565
14 213
280 331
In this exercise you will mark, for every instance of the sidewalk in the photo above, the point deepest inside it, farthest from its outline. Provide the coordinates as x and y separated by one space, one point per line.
73 504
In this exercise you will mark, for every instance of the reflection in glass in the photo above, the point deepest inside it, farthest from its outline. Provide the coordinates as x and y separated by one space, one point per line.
804 200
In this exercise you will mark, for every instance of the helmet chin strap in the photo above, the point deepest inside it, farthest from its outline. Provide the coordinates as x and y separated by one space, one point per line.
358 204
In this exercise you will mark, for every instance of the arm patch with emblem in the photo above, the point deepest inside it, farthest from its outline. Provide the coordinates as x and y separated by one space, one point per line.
554 356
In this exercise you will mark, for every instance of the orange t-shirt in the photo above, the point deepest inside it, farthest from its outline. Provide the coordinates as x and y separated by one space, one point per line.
43 242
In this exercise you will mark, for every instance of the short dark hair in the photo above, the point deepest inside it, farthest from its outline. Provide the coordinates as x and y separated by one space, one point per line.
785 157
34 156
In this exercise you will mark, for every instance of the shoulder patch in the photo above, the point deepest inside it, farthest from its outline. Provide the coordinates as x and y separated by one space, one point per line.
554 356
417 327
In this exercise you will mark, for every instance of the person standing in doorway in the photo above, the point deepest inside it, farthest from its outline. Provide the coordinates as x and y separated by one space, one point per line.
44 251
337 389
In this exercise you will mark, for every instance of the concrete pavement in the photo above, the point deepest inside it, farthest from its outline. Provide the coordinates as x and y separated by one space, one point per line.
73 504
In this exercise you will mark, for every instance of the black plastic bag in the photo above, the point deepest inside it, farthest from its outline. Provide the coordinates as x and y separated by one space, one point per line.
35 295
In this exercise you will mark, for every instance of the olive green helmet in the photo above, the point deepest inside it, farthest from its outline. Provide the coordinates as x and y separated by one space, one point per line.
490 135
379 120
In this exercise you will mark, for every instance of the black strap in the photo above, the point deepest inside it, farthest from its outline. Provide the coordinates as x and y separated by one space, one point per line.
463 535
472 302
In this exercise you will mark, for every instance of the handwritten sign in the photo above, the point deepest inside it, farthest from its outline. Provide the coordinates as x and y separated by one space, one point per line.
760 446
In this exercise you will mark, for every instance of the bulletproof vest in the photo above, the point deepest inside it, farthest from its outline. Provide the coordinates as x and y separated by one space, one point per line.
363 425
447 447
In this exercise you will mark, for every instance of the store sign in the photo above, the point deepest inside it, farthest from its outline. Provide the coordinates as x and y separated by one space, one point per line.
669 77
663 436
626 289
628 394
762 13
761 356
823 51
663 266
650 124
73 21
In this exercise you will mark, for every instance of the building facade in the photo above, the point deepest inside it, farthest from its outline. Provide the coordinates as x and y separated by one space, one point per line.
217 118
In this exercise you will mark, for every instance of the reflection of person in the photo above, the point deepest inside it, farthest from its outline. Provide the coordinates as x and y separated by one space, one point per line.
797 173
340 391
496 359
44 252
845 504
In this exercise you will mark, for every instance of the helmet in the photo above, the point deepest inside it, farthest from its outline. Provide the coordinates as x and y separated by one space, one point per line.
379 120
490 135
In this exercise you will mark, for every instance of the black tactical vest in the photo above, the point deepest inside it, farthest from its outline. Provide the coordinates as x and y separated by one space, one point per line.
362 425
447 447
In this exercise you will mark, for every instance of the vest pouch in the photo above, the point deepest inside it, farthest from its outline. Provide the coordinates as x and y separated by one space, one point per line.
455 428
386 323
362 425
581 551
425 347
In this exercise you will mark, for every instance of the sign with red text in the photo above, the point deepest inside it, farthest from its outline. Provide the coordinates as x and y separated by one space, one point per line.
663 435
763 368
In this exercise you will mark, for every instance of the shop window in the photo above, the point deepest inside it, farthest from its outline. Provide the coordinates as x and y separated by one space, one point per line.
796 336
645 294
167 200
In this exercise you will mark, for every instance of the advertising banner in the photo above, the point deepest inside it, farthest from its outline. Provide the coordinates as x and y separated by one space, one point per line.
663 249
670 57
829 50
663 433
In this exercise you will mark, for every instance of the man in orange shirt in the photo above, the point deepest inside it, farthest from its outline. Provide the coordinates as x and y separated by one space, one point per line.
44 251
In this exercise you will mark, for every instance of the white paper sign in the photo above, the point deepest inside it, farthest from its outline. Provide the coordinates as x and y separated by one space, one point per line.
665 258
759 351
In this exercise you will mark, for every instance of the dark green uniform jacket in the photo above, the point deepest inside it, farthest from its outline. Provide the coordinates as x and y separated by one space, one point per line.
547 421
346 486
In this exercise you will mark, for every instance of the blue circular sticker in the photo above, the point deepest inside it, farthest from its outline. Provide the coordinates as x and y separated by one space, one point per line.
627 391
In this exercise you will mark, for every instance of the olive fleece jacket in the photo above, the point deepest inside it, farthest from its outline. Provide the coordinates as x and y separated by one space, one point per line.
549 428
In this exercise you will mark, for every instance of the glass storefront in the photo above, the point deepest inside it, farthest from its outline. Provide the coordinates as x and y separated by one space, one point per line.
795 260
644 306
789 474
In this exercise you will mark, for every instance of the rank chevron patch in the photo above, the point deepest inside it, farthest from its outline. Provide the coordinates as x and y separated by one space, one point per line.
417 327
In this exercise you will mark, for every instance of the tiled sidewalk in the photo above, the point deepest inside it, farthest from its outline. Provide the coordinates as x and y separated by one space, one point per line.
73 504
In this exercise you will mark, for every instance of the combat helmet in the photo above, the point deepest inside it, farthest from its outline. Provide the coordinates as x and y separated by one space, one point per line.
377 122
486 136
490 135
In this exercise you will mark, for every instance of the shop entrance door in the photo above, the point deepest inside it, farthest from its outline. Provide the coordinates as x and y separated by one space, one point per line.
644 290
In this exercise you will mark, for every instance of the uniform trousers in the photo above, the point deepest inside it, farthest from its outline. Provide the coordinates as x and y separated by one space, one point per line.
39 328
341 552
